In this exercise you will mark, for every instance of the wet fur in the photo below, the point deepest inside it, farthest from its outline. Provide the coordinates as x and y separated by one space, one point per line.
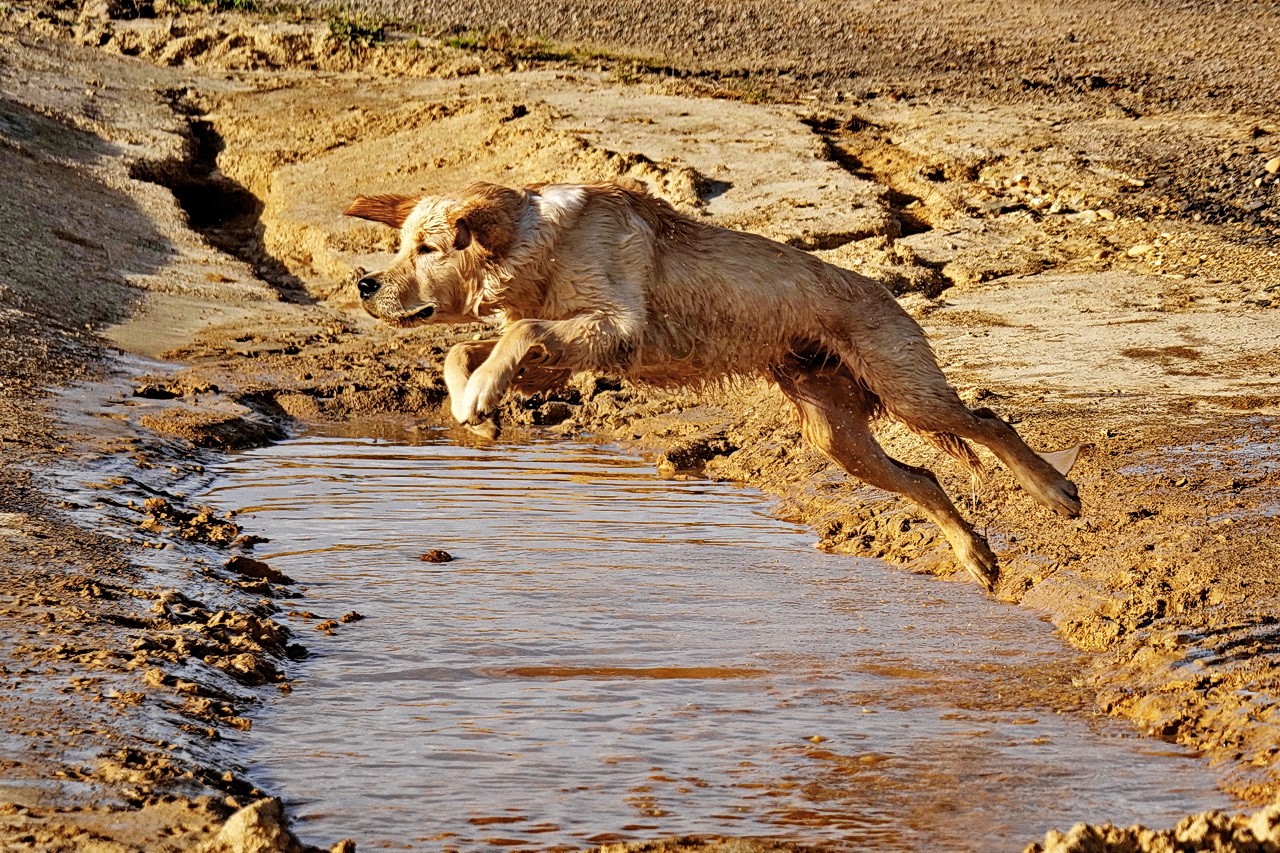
606 278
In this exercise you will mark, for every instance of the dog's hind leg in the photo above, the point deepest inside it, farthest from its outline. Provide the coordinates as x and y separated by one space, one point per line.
1041 475
835 414
913 389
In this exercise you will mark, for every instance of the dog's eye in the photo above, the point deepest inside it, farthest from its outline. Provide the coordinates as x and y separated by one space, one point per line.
426 250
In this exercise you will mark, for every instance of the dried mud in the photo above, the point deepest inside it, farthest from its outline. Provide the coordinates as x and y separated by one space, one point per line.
174 183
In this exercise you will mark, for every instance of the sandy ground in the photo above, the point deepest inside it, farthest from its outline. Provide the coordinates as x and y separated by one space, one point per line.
1081 208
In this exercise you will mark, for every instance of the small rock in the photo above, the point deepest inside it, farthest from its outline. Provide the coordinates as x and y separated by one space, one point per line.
149 390
327 625
1272 165
1104 213
352 617
251 568
435 555
1139 250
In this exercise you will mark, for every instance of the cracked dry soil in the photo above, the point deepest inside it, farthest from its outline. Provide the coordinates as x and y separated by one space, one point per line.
1084 224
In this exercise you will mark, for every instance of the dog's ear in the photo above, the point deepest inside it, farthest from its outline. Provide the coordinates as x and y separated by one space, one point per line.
489 215
390 210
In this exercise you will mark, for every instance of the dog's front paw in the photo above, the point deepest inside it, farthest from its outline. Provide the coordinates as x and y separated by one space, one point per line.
485 429
483 394
458 407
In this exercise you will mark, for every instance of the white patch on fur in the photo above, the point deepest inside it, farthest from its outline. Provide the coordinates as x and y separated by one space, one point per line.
551 209
560 201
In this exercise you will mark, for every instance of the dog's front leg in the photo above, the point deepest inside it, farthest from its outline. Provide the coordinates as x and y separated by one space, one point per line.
490 380
580 343
459 364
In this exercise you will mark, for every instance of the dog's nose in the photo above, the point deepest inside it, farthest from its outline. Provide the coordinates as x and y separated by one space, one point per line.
368 286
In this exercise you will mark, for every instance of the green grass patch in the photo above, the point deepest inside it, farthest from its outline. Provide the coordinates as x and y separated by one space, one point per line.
532 48
357 32
220 5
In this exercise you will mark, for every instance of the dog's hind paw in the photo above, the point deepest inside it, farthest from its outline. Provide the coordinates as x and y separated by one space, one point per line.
1061 497
979 561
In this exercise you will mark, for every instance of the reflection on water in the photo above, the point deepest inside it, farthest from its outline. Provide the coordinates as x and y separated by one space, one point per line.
616 656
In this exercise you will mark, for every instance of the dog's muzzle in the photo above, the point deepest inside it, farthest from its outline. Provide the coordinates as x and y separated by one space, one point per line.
368 286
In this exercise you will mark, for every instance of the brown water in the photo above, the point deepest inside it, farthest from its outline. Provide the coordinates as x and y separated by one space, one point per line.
614 655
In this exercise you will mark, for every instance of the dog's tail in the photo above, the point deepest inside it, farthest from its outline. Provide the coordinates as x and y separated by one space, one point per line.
955 447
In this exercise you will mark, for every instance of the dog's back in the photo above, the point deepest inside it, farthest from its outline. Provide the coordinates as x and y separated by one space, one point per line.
720 303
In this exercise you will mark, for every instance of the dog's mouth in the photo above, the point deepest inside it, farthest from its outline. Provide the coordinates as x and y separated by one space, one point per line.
413 318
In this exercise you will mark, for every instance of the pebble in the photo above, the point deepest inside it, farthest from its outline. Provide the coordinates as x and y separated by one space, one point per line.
1139 250
1272 165
436 556
251 568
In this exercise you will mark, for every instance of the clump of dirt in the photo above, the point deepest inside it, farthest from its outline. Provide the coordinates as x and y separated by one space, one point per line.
228 426
186 36
1211 831
199 525
695 452
261 827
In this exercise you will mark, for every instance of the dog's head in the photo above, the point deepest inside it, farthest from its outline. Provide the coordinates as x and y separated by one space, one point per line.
446 248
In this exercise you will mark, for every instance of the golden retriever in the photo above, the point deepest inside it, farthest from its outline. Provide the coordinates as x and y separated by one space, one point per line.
604 277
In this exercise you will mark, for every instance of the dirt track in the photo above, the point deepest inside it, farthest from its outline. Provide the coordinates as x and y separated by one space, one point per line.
1096 260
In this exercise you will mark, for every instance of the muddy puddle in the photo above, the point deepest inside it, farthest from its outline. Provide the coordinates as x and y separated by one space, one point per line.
613 655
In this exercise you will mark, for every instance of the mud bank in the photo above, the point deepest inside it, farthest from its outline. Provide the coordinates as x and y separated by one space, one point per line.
1065 282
